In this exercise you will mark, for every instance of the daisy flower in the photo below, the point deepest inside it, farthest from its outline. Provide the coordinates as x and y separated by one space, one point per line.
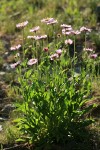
35 29
84 29
75 32
59 52
30 37
49 21
14 65
69 41
93 56
14 48
21 25
32 61
40 37
54 56
65 26
88 49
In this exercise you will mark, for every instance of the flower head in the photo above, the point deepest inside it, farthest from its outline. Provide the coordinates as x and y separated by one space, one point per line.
14 65
45 49
75 32
84 29
49 21
21 25
52 22
67 29
54 56
88 49
65 26
40 37
43 36
46 20
35 29
30 37
32 61
59 52
93 56
13 48
65 32
69 41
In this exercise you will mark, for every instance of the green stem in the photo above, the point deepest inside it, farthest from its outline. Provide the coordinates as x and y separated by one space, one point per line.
54 36
85 41
74 49
23 56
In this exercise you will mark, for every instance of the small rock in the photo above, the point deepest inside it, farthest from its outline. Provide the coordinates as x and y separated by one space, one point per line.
2 119
6 67
6 54
2 73
1 128
1 99
77 70
6 110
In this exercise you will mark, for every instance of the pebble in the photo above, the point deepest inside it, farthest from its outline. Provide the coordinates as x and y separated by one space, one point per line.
6 67
2 119
2 73
1 128
6 110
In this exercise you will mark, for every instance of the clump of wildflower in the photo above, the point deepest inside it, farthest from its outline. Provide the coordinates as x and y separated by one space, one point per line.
45 49
59 52
93 56
35 29
14 65
40 37
54 56
49 21
13 48
22 25
32 61
84 29
69 41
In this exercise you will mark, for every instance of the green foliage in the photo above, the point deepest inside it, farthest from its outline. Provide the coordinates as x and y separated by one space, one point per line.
9 134
52 108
